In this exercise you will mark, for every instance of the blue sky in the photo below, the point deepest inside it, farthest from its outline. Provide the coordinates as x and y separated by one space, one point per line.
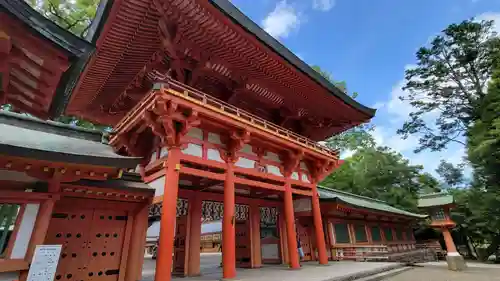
369 44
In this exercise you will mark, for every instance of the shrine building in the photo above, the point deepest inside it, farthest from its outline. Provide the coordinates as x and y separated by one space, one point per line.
212 119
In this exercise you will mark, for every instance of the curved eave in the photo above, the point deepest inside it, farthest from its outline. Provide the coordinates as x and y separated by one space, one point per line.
54 156
227 8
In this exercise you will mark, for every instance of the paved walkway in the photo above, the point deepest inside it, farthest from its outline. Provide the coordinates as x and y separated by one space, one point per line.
309 272
441 273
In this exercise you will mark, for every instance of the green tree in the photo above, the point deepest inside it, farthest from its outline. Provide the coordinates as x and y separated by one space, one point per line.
484 137
452 175
379 172
74 16
353 138
449 80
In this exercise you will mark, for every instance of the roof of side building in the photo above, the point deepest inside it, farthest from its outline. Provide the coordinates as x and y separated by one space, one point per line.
29 137
362 202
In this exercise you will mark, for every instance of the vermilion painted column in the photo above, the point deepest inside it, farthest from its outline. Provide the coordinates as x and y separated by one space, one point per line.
448 240
137 242
318 227
168 217
194 237
293 255
255 238
228 227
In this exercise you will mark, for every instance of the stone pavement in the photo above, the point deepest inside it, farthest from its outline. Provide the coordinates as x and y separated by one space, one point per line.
441 273
309 272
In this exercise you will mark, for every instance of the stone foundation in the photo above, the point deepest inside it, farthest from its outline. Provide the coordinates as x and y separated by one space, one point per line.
456 262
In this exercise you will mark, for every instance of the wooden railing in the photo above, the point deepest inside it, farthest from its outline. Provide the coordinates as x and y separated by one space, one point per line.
183 91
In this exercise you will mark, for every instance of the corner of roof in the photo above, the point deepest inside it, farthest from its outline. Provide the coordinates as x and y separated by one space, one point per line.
35 124
228 8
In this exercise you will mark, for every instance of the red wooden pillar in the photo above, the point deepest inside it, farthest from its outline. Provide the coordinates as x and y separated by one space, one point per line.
318 228
293 255
255 235
448 240
228 228
168 216
194 236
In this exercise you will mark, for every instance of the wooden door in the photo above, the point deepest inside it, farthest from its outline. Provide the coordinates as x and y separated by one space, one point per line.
305 241
92 242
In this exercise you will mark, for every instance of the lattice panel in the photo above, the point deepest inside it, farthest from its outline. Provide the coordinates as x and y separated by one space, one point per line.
268 215
182 208
241 212
213 211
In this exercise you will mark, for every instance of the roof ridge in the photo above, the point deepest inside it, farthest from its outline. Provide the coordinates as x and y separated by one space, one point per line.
353 195
48 126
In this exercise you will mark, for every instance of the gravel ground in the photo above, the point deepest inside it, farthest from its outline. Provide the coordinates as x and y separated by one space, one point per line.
430 273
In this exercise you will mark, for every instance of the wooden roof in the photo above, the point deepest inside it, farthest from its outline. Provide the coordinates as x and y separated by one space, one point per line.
212 46
37 58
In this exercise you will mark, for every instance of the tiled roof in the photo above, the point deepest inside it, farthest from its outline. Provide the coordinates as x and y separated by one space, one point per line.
362 202
24 136
435 199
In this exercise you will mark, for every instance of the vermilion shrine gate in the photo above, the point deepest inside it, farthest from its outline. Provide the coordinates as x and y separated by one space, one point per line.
222 120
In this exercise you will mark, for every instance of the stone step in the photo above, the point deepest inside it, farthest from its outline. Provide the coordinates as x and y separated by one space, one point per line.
384 275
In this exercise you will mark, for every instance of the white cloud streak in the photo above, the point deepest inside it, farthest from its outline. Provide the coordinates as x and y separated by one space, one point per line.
282 20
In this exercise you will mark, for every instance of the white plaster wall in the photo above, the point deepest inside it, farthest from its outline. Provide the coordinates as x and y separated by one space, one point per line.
214 154
25 231
153 157
274 170
214 138
272 156
158 184
245 163
247 149
302 205
193 149
163 152
196 133
9 276
303 166
305 178
295 176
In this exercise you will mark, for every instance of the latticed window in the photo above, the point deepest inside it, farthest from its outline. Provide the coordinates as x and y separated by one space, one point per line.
8 216
439 215
342 233
360 233
376 237
399 234
388 234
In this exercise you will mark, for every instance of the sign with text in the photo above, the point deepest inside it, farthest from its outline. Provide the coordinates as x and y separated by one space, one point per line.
44 264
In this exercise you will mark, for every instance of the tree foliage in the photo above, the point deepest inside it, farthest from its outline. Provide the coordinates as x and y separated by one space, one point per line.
353 138
452 175
449 81
381 173
74 16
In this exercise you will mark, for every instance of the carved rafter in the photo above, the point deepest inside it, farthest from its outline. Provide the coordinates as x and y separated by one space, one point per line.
235 142
291 160
319 169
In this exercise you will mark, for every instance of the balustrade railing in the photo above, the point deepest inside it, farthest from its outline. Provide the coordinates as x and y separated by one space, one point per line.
184 91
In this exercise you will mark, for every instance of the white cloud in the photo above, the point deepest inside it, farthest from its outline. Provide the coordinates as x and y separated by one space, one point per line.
323 5
282 20
491 16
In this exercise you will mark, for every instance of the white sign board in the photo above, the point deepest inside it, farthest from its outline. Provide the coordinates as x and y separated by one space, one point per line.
44 264
270 251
